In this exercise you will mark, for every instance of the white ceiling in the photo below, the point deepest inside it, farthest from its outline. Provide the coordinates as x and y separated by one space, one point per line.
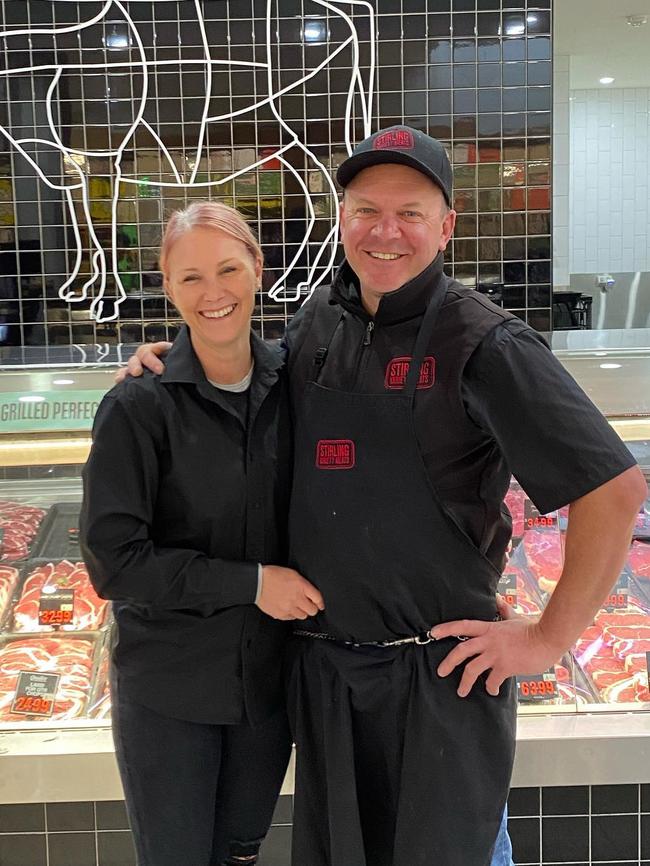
599 42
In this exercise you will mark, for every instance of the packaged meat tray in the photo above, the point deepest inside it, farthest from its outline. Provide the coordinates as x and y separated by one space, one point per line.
100 707
58 537
19 524
514 500
544 556
526 597
612 652
89 612
8 581
72 658
642 524
638 560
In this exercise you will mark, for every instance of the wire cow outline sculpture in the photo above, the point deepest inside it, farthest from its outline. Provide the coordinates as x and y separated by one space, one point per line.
80 181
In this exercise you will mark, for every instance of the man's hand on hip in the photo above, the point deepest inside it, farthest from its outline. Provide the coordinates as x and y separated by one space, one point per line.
512 646
146 356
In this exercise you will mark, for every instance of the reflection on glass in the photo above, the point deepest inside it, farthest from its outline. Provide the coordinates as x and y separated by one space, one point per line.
489 249
465 226
539 223
489 200
514 199
514 124
489 125
489 174
539 198
539 148
465 250
464 50
464 176
440 51
465 201
514 248
514 224
514 272
489 150
489 50
539 248
489 224
514 174
465 126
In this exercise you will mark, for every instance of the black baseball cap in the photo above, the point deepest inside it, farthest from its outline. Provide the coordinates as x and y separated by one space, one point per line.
405 146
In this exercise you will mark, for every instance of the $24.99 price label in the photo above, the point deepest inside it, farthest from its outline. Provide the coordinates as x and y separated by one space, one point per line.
35 693
536 688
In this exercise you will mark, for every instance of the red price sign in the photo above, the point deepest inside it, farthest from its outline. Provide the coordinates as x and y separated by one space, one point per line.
35 693
56 608
618 597
534 520
508 587
537 688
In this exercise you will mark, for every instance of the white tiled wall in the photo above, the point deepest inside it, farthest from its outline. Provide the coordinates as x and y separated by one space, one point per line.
561 160
609 190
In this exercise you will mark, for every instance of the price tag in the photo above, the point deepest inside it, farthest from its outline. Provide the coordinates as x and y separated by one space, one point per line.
35 693
534 520
56 608
618 597
508 587
537 688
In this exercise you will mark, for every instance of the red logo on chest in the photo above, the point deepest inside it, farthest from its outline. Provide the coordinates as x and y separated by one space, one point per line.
397 371
335 454
396 139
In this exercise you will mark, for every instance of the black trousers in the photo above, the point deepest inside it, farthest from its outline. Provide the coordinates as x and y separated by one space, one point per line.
197 794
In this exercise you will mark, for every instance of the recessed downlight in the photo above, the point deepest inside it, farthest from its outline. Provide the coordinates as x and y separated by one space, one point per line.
63 381
610 366
31 398
607 79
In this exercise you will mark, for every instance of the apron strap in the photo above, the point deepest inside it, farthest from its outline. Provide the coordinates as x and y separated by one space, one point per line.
422 340
333 315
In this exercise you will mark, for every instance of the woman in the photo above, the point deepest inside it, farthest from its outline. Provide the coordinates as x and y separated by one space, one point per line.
185 497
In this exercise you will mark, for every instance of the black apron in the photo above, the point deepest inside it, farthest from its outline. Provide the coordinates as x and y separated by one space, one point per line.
393 768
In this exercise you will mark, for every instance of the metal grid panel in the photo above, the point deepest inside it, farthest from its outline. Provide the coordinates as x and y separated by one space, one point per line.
474 73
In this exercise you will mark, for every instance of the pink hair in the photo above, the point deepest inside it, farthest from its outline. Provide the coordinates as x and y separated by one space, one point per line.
208 215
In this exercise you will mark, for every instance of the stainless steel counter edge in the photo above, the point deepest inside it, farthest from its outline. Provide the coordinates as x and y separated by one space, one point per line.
79 764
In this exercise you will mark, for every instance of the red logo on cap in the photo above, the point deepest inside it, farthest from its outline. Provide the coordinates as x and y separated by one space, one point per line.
394 139
335 454
398 369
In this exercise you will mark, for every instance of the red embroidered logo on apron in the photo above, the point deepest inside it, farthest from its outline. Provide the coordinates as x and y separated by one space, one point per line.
397 371
335 454
398 139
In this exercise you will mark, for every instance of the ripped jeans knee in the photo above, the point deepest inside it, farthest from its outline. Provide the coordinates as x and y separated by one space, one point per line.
243 853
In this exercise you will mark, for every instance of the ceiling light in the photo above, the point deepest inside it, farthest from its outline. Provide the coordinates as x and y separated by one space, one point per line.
607 80
610 366
637 20
315 31
31 398
63 381
116 40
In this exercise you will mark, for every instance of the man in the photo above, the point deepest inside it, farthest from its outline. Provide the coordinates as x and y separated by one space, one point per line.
415 399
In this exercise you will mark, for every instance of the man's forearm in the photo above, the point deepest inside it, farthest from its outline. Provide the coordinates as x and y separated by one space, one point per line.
596 546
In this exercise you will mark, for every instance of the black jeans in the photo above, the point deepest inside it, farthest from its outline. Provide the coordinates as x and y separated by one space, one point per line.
197 794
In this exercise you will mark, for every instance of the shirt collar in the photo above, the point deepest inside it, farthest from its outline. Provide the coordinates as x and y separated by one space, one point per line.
182 365
405 303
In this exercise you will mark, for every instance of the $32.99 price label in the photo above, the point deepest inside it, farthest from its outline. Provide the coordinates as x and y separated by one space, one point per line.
56 608
35 693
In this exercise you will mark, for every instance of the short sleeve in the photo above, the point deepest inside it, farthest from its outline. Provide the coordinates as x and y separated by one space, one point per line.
556 443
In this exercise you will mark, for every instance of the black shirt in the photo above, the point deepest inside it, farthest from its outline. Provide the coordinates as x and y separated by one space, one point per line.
521 413
181 503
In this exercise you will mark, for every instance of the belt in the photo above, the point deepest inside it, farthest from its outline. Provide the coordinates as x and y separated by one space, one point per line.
420 639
